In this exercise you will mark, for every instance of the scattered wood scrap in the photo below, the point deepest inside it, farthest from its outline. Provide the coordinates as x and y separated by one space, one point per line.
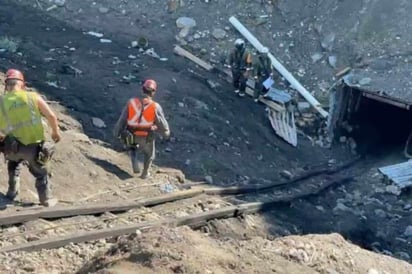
92 209
193 220
60 212
268 103
182 52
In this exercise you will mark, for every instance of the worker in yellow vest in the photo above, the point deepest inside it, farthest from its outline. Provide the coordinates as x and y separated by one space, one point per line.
22 136
136 126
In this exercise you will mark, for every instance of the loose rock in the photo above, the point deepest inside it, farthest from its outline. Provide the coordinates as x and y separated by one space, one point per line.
219 34
286 174
380 213
185 22
340 207
365 81
209 179
103 10
408 231
316 57
403 255
328 40
333 61
99 123
392 189
373 271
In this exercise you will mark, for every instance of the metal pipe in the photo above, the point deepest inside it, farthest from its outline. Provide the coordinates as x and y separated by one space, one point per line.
279 67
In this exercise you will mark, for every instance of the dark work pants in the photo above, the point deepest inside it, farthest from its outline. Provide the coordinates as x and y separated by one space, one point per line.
29 154
145 145
239 80
259 87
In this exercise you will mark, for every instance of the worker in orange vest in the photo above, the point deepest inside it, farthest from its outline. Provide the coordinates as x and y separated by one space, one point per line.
136 126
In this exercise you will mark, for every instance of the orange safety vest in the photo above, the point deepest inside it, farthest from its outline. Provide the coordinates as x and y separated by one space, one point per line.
141 116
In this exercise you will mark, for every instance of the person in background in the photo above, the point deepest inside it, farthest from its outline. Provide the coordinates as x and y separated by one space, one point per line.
136 126
262 71
240 62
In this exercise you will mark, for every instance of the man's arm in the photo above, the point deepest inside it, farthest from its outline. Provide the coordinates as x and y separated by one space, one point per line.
248 60
161 122
121 122
51 118
230 59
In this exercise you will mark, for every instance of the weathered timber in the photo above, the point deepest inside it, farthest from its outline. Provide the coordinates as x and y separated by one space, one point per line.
194 221
182 52
266 102
59 212
235 190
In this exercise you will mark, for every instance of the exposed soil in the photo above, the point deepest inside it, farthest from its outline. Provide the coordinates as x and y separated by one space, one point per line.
214 134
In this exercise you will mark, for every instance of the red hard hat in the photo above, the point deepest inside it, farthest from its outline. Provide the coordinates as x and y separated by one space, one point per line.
14 74
150 85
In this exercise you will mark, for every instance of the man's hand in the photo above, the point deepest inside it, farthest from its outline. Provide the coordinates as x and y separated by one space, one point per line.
153 128
51 118
56 136
167 135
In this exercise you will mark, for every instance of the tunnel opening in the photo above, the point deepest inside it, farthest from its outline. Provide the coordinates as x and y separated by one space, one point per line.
376 125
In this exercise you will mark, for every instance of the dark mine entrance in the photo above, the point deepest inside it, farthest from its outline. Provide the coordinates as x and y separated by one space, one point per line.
379 127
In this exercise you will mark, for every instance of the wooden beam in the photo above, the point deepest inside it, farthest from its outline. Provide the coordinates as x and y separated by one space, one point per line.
59 212
236 190
182 52
193 220
268 103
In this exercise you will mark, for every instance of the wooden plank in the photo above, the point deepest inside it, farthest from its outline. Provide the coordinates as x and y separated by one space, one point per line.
59 212
268 103
182 52
121 230
193 220
235 190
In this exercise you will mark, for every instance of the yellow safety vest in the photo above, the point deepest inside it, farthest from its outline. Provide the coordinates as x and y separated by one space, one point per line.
20 117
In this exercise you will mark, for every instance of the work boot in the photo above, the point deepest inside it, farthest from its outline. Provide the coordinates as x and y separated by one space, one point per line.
49 202
14 187
44 192
145 174
242 94
46 200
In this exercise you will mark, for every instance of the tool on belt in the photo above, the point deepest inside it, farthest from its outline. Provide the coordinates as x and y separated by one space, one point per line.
46 151
126 137
10 145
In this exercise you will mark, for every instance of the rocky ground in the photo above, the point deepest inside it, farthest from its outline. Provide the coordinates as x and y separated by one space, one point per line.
216 136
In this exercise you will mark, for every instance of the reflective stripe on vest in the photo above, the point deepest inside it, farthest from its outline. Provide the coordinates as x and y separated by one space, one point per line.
21 117
142 122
